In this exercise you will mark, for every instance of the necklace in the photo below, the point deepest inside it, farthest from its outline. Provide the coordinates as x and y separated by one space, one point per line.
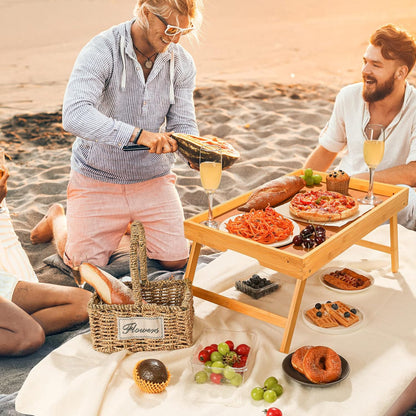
148 64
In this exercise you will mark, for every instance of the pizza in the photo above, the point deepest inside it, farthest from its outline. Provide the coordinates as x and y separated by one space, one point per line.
323 206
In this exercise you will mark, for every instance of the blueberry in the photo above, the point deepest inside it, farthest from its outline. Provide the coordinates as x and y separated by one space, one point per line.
319 313
354 311
318 306
334 306
347 314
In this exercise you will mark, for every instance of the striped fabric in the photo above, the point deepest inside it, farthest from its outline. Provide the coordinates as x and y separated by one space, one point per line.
107 97
13 258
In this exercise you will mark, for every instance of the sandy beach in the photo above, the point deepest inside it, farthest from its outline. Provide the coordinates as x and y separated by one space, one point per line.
267 78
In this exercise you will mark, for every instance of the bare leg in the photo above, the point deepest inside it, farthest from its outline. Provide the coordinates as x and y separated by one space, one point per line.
19 333
173 265
51 226
54 307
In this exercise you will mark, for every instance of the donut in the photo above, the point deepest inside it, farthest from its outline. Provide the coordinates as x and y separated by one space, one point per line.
322 365
297 358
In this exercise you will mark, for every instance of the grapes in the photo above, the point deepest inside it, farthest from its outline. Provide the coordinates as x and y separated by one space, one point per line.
223 348
310 237
297 240
270 396
257 393
310 178
270 391
201 377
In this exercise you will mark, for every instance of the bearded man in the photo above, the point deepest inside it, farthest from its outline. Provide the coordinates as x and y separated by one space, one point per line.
383 97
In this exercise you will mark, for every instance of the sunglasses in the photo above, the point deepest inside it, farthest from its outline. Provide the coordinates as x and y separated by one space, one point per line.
175 30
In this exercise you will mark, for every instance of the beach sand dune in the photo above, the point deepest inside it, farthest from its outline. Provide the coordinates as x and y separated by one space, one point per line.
274 126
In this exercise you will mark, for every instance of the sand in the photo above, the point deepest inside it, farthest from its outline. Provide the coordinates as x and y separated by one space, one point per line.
267 79
268 74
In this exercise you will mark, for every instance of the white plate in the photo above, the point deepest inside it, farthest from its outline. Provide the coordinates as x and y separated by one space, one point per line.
288 240
335 289
362 209
337 329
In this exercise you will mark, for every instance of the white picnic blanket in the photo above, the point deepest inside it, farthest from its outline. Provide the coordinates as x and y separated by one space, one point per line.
76 380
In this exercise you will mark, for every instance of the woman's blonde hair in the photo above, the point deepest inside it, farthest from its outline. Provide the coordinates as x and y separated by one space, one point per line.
190 8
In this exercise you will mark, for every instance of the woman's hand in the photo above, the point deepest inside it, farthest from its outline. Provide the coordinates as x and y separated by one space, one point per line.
3 184
158 142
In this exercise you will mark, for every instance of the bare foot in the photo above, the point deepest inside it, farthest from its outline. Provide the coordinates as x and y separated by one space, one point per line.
43 231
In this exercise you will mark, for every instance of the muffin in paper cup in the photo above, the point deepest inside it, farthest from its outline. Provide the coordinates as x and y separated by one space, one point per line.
149 386
338 181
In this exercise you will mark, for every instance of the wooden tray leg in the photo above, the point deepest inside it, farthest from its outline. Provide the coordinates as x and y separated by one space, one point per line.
193 261
293 314
394 244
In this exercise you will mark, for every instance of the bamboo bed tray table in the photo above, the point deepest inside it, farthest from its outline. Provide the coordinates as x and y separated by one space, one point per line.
298 264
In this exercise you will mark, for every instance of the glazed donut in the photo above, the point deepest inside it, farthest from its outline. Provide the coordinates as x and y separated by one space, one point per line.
322 365
297 358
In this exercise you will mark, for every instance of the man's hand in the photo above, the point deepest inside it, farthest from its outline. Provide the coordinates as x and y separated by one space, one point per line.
3 184
158 142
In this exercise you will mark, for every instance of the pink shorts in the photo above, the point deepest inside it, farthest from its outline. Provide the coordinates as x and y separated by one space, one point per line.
98 214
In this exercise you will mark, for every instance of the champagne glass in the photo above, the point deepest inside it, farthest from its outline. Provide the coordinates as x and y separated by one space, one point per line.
2 170
373 155
210 170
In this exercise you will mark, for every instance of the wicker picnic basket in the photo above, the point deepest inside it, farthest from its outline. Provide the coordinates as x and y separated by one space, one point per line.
160 319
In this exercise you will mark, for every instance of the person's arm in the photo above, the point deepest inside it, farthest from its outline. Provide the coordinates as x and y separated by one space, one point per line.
3 185
402 174
320 159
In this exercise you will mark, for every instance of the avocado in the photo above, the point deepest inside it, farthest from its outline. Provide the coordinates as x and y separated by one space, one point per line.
152 370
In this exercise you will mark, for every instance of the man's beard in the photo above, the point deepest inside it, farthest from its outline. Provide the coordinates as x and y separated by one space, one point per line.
380 92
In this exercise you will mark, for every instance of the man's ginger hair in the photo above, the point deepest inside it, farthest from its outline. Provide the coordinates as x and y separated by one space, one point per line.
396 44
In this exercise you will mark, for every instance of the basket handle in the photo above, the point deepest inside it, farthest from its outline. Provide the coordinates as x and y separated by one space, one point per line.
138 243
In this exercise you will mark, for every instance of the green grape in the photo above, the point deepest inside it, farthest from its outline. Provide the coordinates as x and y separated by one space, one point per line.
309 181
308 173
201 377
215 356
317 179
270 396
278 388
236 380
229 372
257 393
223 348
270 382
217 367
208 365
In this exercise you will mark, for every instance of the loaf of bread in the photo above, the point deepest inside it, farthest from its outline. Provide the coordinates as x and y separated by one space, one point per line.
273 192
109 289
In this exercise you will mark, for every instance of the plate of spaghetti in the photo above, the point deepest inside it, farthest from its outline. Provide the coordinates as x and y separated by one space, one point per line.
265 226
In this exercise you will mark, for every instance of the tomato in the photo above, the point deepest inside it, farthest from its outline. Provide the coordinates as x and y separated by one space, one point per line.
210 349
242 349
203 356
215 378
274 411
214 346
230 344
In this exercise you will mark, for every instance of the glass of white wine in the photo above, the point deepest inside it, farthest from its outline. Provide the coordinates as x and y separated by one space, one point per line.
210 170
373 155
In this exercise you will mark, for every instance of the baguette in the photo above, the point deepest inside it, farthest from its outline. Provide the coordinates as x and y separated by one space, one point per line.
273 192
109 288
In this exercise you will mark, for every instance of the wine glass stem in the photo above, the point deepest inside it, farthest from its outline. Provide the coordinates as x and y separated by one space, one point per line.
210 203
371 183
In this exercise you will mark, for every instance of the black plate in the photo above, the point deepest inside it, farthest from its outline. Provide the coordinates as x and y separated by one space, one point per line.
300 378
